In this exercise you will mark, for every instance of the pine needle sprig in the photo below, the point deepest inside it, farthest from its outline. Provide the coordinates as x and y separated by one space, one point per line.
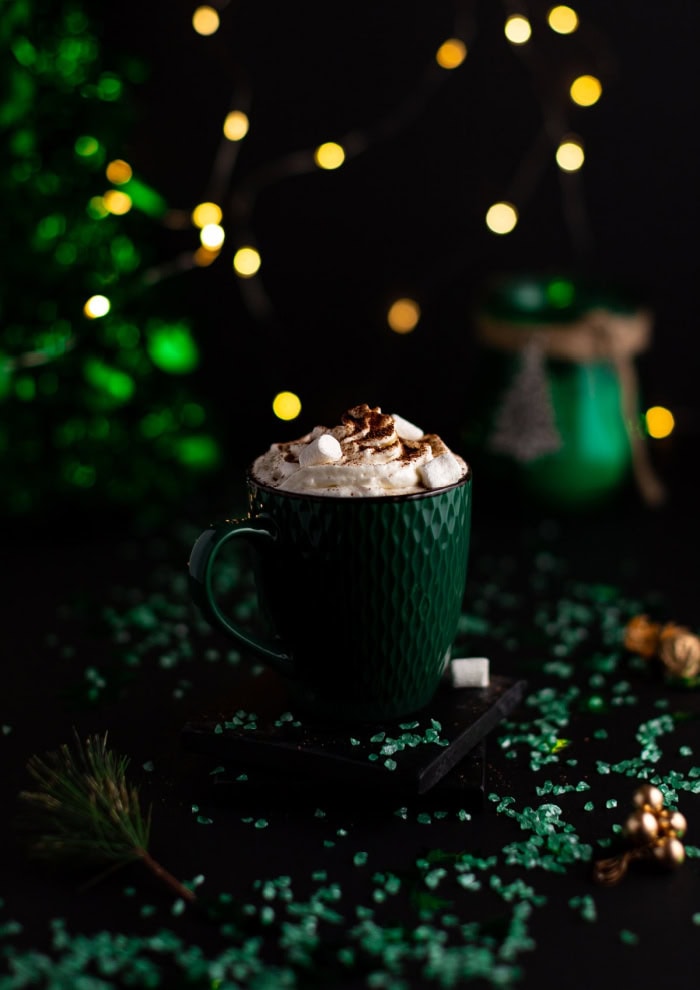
84 811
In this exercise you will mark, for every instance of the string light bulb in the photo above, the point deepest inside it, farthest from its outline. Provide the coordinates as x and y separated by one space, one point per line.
96 306
562 19
286 405
517 29
659 422
329 155
118 172
451 53
570 155
117 202
236 125
501 218
585 90
246 262
206 21
206 213
403 315
203 256
212 236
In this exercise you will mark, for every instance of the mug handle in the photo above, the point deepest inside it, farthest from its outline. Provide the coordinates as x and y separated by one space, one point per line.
201 570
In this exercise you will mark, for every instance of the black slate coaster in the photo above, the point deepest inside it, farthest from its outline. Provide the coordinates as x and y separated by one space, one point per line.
408 755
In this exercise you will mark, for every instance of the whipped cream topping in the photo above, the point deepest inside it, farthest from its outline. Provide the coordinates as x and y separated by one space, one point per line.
369 453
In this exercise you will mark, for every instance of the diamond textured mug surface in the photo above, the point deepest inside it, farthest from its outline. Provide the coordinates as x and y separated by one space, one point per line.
361 595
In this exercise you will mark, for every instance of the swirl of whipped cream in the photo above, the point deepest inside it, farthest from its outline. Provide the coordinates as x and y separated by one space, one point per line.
369 453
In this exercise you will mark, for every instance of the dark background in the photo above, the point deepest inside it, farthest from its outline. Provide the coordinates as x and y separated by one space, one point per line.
405 217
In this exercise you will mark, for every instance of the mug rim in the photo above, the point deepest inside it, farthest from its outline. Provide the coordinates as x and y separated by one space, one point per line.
252 482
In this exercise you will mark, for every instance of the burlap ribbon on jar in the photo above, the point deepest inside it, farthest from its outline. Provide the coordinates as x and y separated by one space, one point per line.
598 336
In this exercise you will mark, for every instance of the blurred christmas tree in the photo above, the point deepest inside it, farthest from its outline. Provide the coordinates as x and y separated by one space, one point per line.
98 367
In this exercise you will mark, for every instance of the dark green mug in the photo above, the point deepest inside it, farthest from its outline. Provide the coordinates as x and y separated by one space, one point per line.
362 594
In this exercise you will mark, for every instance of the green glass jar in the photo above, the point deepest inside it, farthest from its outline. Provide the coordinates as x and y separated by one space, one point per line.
558 412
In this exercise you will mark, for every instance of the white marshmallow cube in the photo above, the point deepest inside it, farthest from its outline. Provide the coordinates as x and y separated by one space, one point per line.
443 470
406 430
470 672
324 449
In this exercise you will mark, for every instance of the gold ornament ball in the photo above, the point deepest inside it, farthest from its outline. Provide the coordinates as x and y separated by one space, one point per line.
642 826
669 852
649 796
679 651
642 636
677 824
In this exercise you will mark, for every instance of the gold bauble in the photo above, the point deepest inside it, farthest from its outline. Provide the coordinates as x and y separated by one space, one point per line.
642 826
679 651
677 824
669 852
642 636
649 796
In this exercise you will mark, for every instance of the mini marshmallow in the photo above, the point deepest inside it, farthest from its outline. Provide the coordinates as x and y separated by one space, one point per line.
324 449
406 430
443 470
470 672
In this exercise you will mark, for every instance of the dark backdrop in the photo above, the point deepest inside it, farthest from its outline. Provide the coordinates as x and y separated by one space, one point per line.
405 217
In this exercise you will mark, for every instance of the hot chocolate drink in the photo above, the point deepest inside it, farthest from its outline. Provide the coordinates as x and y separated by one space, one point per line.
389 551
369 453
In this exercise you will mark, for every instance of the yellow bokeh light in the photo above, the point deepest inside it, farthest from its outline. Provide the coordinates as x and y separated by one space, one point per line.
212 236
205 213
203 257
205 20
403 315
570 156
246 262
96 306
562 19
236 125
117 202
585 91
118 171
501 218
286 405
451 53
329 155
659 422
517 29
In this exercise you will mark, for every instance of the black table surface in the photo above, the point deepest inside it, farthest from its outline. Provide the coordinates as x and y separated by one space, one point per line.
484 879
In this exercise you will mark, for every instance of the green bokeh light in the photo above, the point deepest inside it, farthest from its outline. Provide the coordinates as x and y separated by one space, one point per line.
25 388
560 293
144 198
199 452
172 348
109 87
96 208
24 51
80 475
23 142
125 255
51 227
87 146
66 254
157 423
115 383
